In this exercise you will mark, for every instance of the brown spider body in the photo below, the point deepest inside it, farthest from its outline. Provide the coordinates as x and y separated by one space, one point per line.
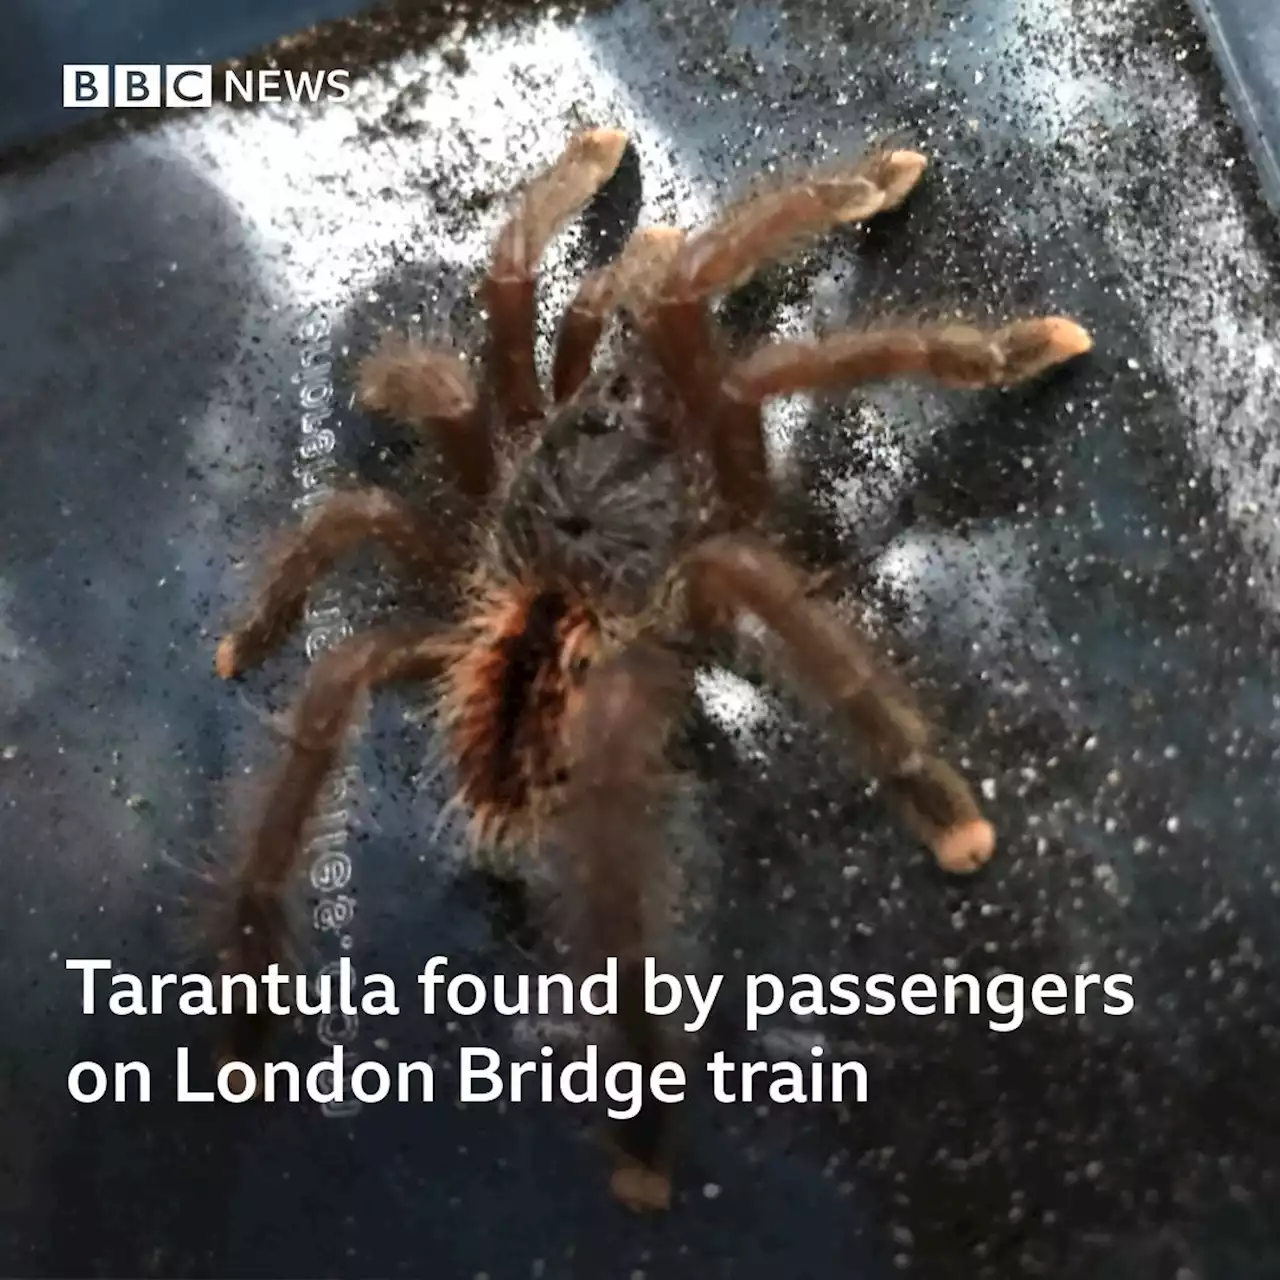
585 532
611 548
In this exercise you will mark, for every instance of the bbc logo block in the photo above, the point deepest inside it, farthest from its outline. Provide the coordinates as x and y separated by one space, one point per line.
86 86
137 85
192 85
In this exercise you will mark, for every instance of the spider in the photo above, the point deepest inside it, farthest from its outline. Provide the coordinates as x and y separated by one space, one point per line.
617 534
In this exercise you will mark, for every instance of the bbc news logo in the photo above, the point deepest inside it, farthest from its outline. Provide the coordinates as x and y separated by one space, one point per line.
190 85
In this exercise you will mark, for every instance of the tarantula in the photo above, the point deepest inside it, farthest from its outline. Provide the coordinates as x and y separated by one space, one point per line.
616 537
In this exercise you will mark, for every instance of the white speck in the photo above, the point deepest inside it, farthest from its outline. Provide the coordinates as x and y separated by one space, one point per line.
989 788
712 1190
731 701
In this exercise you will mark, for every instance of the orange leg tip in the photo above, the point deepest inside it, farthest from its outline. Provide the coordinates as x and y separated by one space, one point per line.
658 235
1066 339
224 661
904 171
602 146
640 1189
966 846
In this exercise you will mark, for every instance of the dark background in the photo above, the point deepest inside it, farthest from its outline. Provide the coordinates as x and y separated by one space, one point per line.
1122 695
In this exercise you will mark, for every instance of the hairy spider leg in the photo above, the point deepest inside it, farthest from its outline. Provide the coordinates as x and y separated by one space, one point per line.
333 530
765 226
431 389
957 356
733 574
610 835
622 283
256 935
545 206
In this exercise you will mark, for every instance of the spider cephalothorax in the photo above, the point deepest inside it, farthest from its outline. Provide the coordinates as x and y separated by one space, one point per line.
611 549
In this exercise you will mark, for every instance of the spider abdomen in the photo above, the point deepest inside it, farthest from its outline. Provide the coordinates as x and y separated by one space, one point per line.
505 697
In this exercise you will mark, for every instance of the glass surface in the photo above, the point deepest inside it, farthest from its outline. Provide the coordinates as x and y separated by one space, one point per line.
1246 37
